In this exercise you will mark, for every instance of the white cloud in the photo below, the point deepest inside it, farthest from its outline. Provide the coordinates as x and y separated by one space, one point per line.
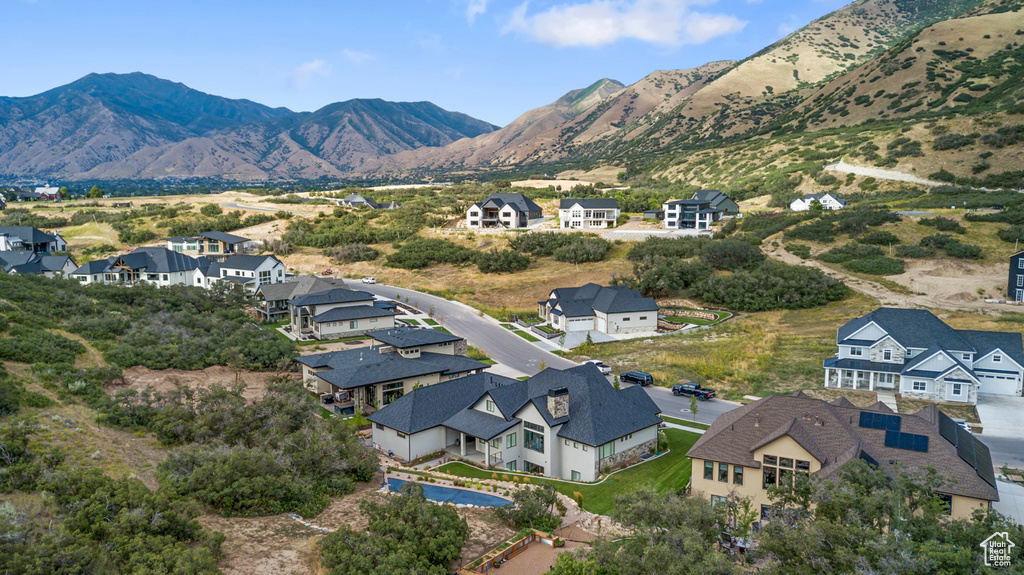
601 22
475 8
357 57
305 73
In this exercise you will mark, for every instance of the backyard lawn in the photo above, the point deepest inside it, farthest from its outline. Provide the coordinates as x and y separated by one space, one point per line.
666 474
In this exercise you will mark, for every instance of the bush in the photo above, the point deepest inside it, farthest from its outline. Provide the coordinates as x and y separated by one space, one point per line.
211 210
673 248
943 224
822 231
952 141
799 250
849 252
1011 234
499 261
574 247
771 286
421 252
952 246
349 253
877 265
763 226
879 238
915 252
731 255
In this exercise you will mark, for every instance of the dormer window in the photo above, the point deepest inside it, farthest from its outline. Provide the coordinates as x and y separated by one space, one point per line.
856 351
966 357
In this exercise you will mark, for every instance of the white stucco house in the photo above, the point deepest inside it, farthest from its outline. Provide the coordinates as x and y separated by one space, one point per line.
159 266
337 313
570 424
827 201
587 213
249 271
503 211
611 310
916 354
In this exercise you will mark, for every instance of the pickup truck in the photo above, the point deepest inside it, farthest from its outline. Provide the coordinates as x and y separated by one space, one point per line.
694 389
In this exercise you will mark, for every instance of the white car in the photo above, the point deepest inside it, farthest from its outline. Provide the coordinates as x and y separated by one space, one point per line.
605 369
369 280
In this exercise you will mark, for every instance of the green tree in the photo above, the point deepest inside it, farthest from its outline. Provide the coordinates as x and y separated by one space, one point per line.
693 407
532 508
95 192
211 210
63 192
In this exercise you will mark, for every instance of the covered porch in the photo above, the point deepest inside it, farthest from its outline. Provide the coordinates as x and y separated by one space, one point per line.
860 374
476 436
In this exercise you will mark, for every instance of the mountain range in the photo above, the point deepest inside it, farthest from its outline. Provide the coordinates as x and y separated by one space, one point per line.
868 61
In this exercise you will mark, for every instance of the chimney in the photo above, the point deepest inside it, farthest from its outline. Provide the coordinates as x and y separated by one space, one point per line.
558 402
757 420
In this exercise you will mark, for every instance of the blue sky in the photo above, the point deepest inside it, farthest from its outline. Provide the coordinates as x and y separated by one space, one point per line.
492 59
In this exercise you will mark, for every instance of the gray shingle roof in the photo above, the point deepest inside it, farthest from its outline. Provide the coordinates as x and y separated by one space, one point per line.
598 413
519 202
479 424
302 285
589 203
581 301
406 337
916 328
985 342
336 295
351 313
246 262
93 267
28 234
158 260
832 434
224 237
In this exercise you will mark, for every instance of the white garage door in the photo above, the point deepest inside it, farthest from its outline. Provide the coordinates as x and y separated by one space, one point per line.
998 384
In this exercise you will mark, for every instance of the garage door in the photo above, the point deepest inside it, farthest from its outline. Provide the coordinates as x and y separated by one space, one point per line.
998 384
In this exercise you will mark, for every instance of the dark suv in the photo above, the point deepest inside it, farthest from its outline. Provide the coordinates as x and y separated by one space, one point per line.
694 389
636 377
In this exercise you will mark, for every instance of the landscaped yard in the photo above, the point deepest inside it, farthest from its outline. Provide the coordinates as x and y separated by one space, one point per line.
521 334
429 321
666 474
684 422
719 316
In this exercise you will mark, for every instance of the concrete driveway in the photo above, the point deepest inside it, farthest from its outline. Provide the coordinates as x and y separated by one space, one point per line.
1011 501
1001 415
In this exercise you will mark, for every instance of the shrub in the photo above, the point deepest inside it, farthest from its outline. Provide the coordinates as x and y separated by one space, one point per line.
422 252
799 250
574 247
1011 234
953 141
879 238
211 210
915 252
771 286
952 246
877 265
822 231
349 253
674 248
499 261
849 252
943 224
731 255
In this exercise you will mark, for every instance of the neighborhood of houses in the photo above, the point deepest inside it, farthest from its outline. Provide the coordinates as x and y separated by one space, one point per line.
423 394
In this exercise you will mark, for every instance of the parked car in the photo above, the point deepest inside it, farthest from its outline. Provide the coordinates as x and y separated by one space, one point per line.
694 389
369 280
636 377
605 369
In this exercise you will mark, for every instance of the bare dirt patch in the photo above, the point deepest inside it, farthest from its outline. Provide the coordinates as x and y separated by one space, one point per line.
165 380
858 398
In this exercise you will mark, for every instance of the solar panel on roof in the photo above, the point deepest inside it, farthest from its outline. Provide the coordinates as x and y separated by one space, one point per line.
868 459
907 441
873 420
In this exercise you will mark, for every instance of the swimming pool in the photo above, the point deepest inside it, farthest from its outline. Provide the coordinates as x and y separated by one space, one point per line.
453 495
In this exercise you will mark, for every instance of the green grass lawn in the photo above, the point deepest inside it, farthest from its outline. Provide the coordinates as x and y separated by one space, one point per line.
523 334
685 422
411 321
666 474
429 321
442 329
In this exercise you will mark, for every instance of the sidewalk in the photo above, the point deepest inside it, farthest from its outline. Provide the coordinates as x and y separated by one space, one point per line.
684 428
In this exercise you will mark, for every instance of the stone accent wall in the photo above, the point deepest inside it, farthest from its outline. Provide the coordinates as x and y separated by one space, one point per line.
875 353
461 348
623 456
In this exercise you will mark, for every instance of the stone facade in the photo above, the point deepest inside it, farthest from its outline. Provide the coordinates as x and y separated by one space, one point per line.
461 348
624 456
558 403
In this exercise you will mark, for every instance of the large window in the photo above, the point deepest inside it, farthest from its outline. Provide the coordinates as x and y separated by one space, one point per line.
510 440
723 472
606 450
264 277
533 437
737 474
769 477
709 470
856 351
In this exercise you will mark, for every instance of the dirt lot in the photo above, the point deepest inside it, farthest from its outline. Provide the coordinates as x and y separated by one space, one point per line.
282 545
164 380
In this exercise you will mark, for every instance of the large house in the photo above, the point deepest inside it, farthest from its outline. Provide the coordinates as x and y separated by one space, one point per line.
1015 285
14 238
358 201
273 298
694 215
826 201
586 213
337 313
214 245
158 266
399 361
503 211
916 354
571 424
26 262
249 271
718 201
766 442
611 310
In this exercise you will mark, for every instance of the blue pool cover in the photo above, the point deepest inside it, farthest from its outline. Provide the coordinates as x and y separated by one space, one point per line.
452 495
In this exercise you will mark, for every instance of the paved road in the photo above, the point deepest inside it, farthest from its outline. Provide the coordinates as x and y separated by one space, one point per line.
1007 451
501 345
515 352
234 206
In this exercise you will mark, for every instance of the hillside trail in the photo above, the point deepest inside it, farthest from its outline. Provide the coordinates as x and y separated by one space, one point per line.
885 296
895 176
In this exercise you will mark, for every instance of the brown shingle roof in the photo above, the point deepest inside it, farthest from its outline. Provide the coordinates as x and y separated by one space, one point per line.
831 433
